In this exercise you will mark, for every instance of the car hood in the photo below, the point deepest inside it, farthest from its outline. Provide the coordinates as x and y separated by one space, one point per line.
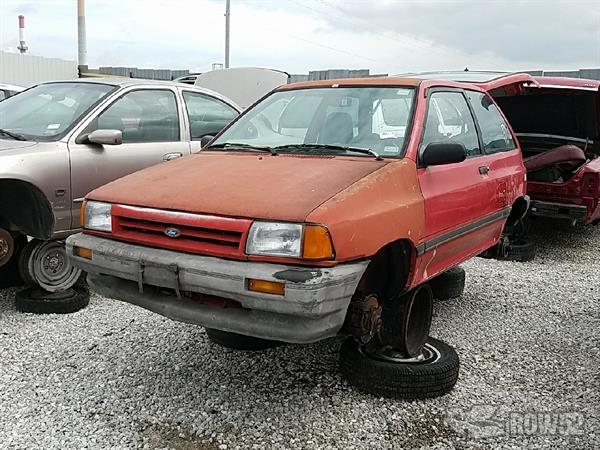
252 185
11 144
549 108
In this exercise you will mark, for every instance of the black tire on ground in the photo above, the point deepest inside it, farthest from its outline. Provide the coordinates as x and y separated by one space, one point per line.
239 341
24 258
403 380
9 273
38 301
521 251
450 284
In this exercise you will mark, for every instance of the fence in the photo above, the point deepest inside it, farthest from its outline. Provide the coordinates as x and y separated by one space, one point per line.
25 70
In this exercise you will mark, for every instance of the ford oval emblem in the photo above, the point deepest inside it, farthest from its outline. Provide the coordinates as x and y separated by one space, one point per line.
172 232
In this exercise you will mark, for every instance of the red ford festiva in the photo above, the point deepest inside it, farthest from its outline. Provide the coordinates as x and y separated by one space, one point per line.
329 207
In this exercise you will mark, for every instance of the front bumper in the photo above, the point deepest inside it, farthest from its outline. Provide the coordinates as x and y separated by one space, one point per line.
313 307
558 210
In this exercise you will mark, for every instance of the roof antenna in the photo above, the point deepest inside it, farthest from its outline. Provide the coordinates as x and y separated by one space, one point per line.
466 69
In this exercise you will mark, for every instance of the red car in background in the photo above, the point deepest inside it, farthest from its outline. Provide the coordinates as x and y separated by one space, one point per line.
557 122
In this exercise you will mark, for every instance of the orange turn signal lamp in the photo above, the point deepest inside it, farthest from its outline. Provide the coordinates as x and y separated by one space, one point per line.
82 252
267 287
316 243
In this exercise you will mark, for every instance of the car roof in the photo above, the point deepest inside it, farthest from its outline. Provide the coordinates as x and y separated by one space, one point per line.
463 76
120 81
370 81
123 82
392 81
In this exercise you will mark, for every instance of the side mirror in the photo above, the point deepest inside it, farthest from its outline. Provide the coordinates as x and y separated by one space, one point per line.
204 140
439 153
105 137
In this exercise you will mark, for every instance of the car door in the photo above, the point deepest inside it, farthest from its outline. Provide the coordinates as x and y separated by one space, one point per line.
503 158
150 120
206 115
462 215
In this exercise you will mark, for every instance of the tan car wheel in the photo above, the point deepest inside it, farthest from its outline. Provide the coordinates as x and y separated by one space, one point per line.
7 246
45 264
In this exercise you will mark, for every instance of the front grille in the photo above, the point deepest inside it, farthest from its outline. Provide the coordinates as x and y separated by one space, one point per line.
185 232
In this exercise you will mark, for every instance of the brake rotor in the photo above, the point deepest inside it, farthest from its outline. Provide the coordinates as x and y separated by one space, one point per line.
7 246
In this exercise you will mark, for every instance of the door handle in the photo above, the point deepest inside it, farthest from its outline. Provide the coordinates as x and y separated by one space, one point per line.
171 156
484 170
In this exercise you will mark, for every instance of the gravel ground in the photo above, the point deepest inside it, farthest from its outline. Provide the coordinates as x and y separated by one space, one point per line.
116 376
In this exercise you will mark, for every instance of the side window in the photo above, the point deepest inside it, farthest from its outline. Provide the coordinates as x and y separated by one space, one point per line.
3 95
449 120
495 133
146 115
207 115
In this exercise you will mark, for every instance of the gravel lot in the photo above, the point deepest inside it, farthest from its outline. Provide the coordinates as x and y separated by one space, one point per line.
116 376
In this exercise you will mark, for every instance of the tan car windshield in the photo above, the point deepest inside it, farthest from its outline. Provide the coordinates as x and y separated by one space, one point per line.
47 111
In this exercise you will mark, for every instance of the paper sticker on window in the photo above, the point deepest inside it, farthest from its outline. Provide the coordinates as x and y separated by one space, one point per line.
130 123
53 126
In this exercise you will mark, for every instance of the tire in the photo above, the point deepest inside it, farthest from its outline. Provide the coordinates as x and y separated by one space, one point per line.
37 301
44 264
239 341
9 272
434 377
450 284
521 251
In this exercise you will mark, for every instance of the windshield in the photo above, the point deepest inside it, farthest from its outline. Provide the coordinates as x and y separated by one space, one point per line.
301 121
48 111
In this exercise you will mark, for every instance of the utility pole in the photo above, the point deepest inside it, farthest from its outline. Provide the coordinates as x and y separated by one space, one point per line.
227 15
81 37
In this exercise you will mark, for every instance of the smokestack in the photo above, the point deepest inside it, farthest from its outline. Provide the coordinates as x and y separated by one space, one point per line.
81 38
22 47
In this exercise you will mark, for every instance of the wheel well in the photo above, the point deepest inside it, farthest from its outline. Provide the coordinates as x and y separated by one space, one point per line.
24 208
389 269
518 210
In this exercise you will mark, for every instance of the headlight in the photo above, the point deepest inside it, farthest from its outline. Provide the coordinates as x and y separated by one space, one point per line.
289 239
97 216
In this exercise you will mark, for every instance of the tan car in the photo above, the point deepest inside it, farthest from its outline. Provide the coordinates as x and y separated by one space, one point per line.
60 140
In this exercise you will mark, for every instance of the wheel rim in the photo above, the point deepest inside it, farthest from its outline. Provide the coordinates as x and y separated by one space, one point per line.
418 320
7 246
50 267
386 353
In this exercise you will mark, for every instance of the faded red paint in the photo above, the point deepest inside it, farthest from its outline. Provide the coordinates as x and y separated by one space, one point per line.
255 185
365 203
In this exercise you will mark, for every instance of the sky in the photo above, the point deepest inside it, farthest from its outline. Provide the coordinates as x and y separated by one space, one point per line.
385 36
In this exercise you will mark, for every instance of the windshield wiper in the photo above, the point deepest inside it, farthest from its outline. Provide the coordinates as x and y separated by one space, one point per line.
10 134
234 145
366 151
